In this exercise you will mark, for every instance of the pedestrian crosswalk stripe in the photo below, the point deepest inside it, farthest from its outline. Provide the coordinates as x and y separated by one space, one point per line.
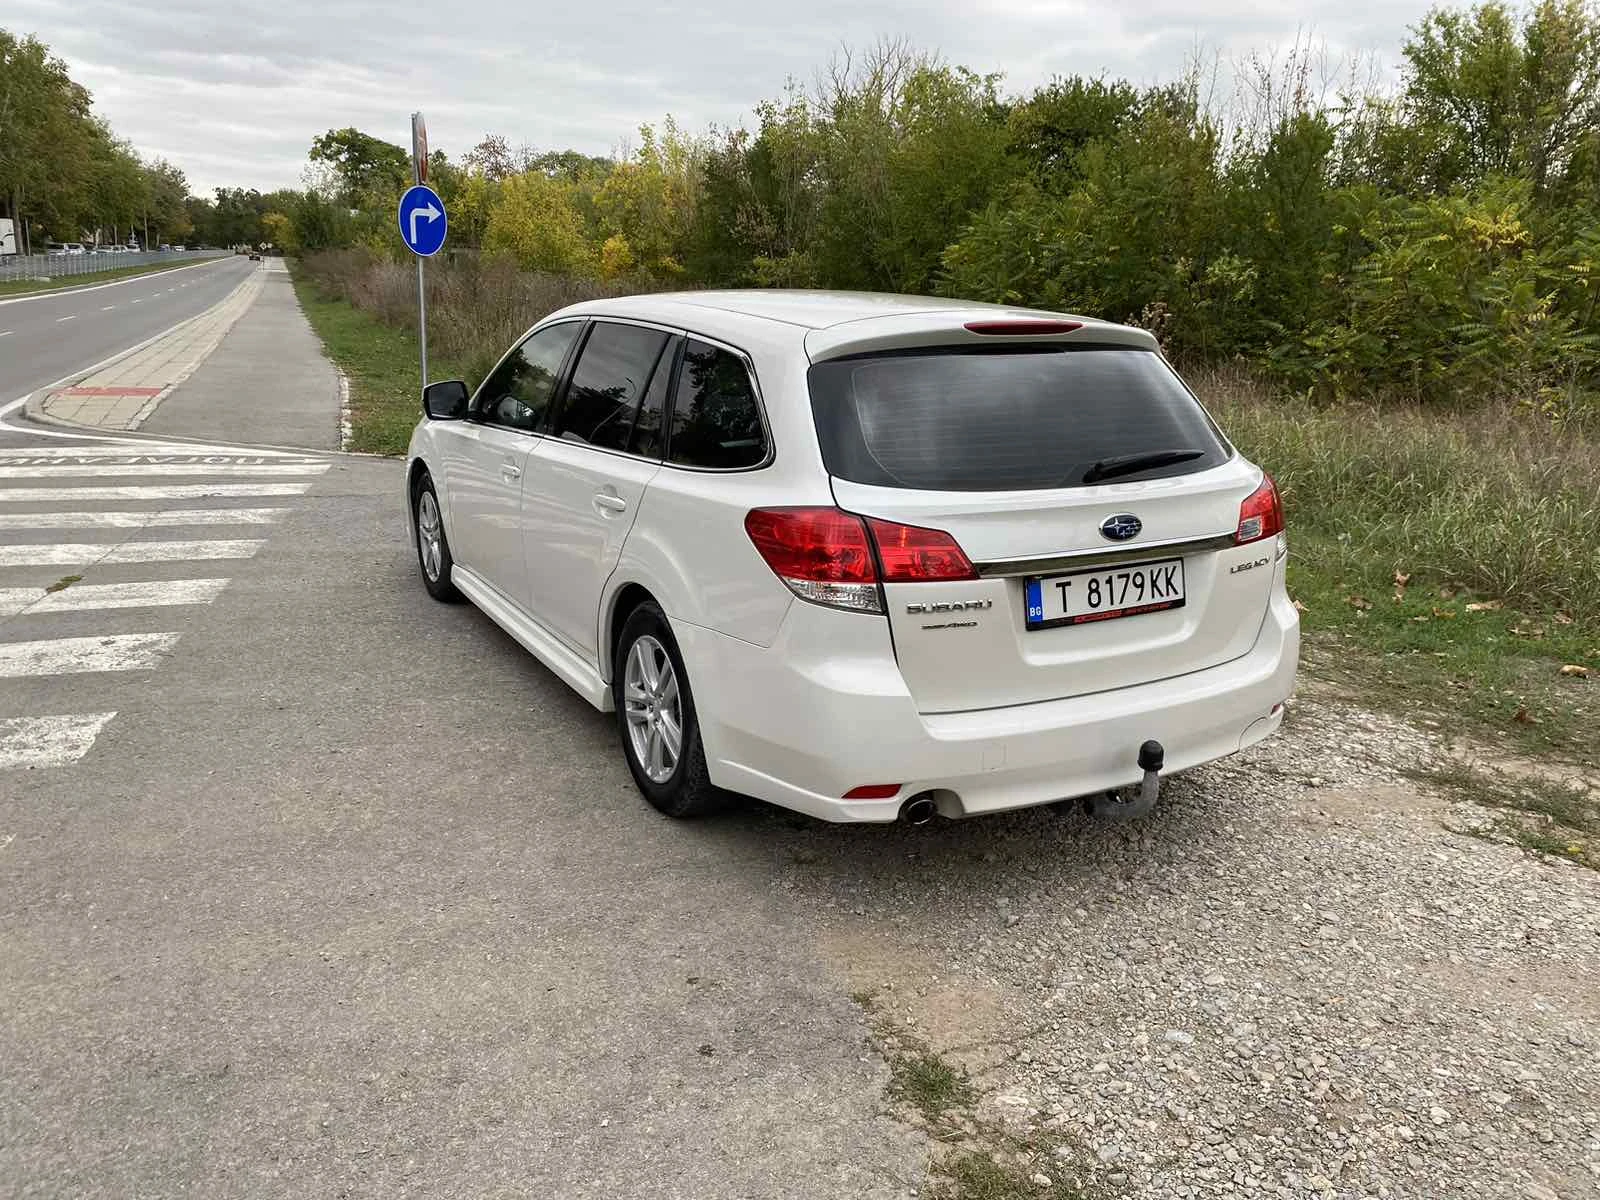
88 597
30 742
152 491
66 470
163 519
71 554
82 655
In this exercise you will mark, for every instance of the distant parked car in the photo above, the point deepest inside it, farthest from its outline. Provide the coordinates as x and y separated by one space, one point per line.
168 246
73 248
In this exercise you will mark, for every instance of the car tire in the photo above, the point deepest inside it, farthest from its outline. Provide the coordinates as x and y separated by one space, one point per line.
433 546
676 783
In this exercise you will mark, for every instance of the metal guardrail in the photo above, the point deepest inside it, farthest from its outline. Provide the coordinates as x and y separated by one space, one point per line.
14 267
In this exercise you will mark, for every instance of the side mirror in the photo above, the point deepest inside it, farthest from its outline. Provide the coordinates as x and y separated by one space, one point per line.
445 400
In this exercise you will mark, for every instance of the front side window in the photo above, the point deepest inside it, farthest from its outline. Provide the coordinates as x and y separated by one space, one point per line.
517 394
716 419
613 370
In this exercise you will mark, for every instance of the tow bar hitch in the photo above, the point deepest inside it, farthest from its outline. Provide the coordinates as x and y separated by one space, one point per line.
1115 807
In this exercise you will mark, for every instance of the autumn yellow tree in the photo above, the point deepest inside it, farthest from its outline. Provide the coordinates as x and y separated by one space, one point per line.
535 221
646 204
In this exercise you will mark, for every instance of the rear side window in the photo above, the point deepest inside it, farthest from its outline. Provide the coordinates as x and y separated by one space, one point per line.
1008 421
613 371
716 420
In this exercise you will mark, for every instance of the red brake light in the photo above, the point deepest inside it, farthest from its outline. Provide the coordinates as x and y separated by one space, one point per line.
911 554
1022 327
1261 514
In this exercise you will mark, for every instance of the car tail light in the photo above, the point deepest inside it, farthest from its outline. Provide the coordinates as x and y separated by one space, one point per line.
911 554
822 554
826 556
1261 514
873 791
1022 328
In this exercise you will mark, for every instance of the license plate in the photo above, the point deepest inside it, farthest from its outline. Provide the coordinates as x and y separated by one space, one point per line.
1104 595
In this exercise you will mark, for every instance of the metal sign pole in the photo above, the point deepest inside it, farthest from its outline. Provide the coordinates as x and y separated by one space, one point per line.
422 315
419 174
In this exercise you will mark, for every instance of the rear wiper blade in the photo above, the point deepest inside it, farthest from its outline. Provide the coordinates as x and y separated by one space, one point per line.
1127 464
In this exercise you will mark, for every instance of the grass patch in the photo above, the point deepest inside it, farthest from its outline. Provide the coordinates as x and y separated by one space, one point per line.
1541 815
974 1159
23 287
1445 560
929 1084
974 1175
63 584
381 363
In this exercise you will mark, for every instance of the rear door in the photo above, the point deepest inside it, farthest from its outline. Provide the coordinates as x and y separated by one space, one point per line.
588 476
1086 485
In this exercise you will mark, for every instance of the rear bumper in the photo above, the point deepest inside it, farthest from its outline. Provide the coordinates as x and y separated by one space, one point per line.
824 710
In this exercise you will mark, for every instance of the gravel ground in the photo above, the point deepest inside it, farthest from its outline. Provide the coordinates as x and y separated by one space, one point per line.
1297 979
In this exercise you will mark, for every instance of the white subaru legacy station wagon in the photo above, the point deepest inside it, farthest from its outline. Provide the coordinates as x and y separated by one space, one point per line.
867 557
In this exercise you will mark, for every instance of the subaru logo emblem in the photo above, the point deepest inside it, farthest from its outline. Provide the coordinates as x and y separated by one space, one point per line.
1121 527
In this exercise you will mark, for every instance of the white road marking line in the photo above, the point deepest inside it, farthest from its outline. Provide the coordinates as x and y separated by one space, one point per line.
83 655
107 307
89 597
135 301
69 554
165 519
30 742
68 317
104 449
60 470
150 491
7 332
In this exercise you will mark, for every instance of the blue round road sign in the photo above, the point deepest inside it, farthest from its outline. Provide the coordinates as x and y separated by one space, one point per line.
422 220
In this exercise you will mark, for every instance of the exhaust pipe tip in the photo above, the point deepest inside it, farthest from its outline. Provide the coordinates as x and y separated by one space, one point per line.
919 810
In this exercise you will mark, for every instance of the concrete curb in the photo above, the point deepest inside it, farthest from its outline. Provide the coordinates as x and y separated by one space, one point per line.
33 407
346 431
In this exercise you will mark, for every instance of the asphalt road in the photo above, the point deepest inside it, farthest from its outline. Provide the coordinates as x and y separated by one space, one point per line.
43 338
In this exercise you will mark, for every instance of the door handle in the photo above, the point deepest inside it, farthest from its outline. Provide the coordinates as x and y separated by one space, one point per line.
510 471
607 502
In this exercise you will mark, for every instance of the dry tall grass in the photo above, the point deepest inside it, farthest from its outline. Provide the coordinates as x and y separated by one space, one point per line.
475 309
1492 498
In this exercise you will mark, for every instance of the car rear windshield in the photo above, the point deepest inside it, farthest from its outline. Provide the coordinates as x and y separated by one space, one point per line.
1004 420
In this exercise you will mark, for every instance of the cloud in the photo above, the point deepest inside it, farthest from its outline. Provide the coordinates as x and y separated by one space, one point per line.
233 93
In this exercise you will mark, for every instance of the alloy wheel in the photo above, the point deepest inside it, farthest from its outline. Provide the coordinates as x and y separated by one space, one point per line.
654 709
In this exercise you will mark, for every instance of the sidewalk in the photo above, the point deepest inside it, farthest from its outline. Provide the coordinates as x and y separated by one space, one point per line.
267 383
248 371
122 395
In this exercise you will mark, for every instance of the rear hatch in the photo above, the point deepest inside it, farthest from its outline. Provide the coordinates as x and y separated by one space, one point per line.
1094 496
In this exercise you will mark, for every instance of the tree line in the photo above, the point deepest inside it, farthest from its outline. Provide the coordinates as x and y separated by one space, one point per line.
1435 239
66 177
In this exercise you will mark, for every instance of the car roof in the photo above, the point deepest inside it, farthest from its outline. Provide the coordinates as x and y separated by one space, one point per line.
833 323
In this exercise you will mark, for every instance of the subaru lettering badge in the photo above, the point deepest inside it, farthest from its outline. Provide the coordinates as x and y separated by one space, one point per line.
1121 527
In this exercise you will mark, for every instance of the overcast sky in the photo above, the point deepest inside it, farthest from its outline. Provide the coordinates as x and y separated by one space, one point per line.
233 91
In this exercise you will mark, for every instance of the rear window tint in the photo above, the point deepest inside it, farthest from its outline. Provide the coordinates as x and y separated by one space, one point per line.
952 420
